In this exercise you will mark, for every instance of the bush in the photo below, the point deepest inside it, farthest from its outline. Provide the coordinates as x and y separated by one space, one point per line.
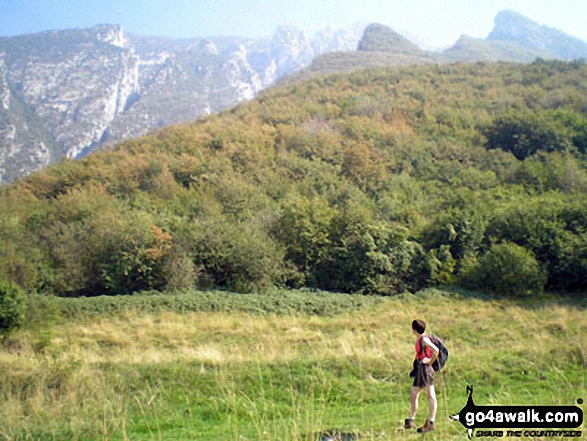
137 259
553 229
238 257
524 133
12 307
509 269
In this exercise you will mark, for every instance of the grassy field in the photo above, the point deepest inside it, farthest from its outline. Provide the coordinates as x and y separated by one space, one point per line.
135 374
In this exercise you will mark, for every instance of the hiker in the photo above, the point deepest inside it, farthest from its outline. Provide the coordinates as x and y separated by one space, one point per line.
423 374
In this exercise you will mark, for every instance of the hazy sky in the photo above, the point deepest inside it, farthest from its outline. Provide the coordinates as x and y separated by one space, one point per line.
436 23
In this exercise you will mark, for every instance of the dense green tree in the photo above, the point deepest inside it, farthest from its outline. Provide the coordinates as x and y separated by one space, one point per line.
371 258
240 257
527 132
507 269
12 307
375 181
554 231
137 256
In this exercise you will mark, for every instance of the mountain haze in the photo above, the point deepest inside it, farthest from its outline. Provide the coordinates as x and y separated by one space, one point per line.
469 49
66 93
514 38
515 28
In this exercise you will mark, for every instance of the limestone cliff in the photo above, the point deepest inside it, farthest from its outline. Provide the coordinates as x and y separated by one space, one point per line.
66 93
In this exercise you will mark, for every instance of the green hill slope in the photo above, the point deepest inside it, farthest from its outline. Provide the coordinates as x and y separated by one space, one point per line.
379 181
341 62
381 38
380 46
473 49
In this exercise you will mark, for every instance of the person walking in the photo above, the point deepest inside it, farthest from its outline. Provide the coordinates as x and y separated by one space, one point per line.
423 374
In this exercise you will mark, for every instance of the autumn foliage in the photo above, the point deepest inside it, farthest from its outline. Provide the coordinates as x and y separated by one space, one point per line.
378 181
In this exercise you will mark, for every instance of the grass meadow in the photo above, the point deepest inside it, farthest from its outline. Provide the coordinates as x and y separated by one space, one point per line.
165 374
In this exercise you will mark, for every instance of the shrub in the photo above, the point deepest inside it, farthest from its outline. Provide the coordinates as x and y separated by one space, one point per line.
524 133
509 269
374 259
238 257
138 257
12 307
553 230
441 265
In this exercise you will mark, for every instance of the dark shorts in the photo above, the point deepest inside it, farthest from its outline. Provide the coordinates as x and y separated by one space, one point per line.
424 375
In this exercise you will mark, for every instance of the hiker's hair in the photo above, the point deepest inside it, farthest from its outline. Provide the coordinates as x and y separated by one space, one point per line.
419 326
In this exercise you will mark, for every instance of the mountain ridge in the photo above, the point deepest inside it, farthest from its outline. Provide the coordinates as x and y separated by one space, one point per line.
87 88
66 93
380 38
512 26
502 44
378 181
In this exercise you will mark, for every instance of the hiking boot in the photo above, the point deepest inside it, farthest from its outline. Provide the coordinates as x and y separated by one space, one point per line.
427 427
409 424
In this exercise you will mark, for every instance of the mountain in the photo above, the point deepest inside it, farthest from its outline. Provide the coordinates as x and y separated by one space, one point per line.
478 49
379 46
333 62
377 181
66 93
517 38
514 38
515 28
381 38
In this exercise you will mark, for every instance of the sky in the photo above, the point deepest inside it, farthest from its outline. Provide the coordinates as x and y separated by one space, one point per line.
435 23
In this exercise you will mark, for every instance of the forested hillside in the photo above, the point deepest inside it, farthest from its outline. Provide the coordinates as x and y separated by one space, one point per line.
378 181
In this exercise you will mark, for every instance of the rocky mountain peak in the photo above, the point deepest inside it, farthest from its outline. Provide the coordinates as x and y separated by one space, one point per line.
512 20
291 49
510 25
207 46
291 38
515 28
381 38
346 39
112 34
65 93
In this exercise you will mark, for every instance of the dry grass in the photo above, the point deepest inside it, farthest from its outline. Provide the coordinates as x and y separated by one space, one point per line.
72 382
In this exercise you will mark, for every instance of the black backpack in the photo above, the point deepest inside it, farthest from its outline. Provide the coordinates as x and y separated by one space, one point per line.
442 352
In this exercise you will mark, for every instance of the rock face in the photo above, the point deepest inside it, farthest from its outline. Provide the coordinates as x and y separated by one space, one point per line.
66 93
